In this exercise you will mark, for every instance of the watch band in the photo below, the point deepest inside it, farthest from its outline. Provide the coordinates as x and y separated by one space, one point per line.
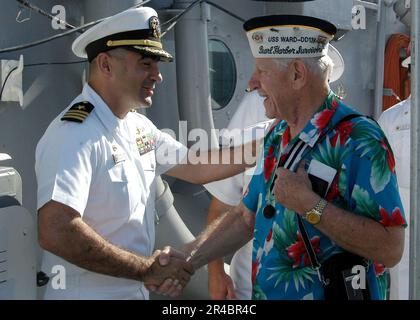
313 216
320 206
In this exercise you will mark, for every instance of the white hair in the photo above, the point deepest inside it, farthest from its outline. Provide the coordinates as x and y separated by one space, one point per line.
321 66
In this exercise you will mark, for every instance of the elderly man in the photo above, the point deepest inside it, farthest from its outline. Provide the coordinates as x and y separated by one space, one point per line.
228 193
96 165
345 213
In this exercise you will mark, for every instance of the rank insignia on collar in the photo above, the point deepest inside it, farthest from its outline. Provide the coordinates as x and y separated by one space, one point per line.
78 112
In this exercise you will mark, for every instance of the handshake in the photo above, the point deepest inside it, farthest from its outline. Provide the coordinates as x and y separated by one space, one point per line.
168 272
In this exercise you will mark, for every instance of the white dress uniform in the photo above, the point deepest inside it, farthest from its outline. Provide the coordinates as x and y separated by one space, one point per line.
395 122
104 168
230 190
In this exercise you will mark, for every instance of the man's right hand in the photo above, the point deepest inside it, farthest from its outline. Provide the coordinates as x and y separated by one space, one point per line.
168 273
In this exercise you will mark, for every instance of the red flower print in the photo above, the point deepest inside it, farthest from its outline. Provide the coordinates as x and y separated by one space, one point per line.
255 265
269 163
379 268
343 131
285 138
296 250
390 157
283 158
396 218
334 103
322 118
269 242
270 235
334 190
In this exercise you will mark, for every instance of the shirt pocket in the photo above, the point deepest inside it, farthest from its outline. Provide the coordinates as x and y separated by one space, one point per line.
120 173
148 162
122 191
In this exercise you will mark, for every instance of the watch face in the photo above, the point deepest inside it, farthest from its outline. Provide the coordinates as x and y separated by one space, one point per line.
313 218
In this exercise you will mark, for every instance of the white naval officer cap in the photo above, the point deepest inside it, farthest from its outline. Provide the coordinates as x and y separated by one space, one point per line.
134 29
293 36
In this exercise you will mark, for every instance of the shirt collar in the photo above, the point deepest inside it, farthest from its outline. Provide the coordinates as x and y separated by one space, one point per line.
322 120
105 115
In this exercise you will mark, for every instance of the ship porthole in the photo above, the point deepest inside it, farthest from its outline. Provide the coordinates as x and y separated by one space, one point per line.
222 74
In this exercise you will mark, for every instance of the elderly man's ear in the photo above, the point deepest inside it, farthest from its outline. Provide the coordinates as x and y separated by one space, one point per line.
299 74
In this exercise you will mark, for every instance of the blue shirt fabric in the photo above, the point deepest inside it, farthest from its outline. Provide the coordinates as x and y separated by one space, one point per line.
365 184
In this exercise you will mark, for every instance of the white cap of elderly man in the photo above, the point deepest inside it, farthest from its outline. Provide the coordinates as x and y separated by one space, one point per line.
134 29
293 36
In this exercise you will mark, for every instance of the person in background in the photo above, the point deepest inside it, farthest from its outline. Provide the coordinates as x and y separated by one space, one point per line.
395 123
251 120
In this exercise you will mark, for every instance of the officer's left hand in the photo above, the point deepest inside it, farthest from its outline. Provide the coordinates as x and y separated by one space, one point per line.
294 190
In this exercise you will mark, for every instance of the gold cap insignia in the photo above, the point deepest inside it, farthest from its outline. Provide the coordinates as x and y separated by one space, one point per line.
154 24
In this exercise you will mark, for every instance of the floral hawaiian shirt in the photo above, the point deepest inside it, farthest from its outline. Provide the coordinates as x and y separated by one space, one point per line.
365 184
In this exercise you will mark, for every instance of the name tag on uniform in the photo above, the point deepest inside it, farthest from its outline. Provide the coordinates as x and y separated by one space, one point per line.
119 157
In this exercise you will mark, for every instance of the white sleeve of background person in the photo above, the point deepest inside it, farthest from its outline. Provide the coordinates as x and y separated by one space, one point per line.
169 151
229 191
250 119
395 123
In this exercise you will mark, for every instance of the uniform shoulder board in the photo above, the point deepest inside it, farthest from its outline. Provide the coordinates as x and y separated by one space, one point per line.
78 112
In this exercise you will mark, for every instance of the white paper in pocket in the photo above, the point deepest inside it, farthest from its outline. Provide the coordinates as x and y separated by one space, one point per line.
321 177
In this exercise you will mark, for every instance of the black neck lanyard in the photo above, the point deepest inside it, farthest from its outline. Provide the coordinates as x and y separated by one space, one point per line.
296 154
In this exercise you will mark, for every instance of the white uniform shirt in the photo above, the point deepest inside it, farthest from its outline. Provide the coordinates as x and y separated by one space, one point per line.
395 122
96 168
229 191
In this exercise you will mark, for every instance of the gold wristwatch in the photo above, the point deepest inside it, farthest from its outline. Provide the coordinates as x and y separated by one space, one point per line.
313 216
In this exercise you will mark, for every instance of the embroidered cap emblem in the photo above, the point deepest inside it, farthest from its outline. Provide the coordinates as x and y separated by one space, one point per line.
258 37
154 24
